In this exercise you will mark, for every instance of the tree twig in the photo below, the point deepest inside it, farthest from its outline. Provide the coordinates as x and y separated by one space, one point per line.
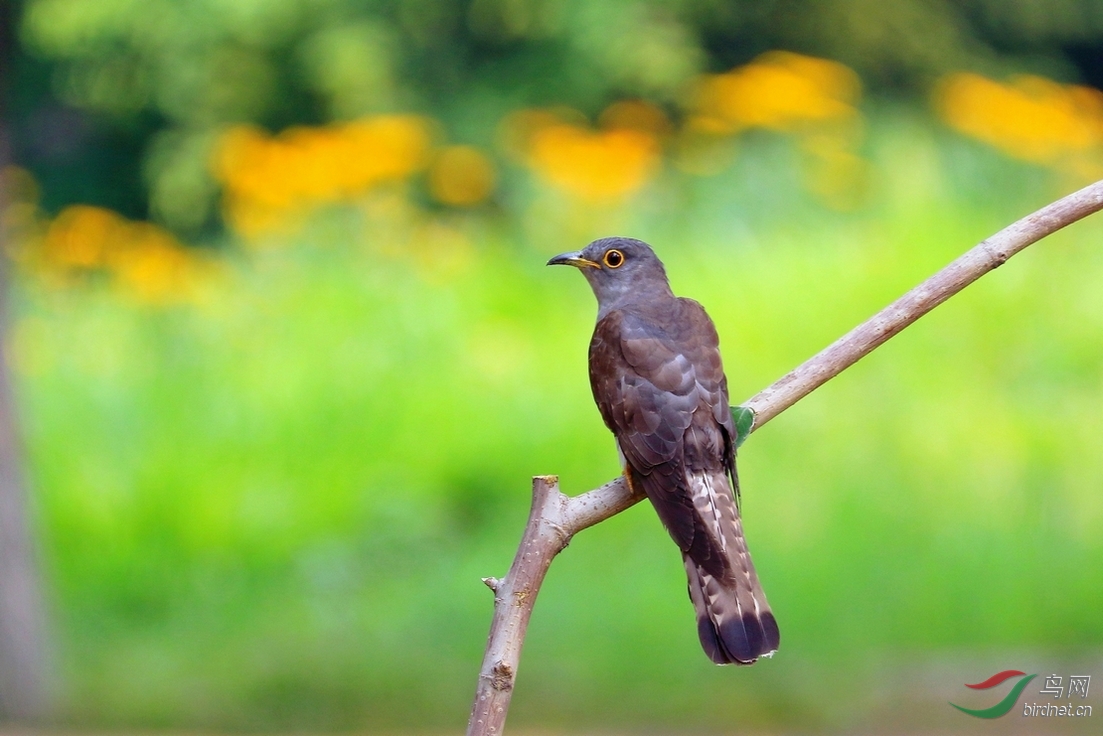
555 518
967 268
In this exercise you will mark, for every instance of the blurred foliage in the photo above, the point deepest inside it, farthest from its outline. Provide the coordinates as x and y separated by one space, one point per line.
268 477
122 103
267 502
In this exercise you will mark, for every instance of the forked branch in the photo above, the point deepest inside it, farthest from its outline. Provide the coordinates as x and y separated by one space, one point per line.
555 518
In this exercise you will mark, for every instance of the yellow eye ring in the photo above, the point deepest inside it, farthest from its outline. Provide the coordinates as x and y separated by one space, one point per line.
613 258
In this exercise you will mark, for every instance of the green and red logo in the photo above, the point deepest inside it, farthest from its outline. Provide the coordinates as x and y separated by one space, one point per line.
1003 707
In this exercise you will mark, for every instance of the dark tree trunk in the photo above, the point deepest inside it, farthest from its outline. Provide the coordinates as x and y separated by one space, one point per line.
22 646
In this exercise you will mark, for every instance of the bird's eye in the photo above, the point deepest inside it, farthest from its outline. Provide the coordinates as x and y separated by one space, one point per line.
613 258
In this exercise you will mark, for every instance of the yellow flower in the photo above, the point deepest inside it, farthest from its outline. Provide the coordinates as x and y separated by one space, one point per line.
461 176
81 237
518 128
779 90
268 180
592 164
152 265
813 99
144 258
595 165
638 115
1030 117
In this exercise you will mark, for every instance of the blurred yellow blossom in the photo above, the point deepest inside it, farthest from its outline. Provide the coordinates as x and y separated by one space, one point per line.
1030 117
81 236
779 90
640 115
593 164
813 99
461 176
144 258
518 128
269 179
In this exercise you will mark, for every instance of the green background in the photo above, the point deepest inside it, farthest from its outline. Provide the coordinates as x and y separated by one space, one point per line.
269 508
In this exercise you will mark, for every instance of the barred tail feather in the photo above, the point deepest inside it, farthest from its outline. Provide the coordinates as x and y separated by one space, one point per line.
734 620
731 632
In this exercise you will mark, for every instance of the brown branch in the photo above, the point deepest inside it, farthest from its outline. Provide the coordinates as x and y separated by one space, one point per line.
555 518
967 268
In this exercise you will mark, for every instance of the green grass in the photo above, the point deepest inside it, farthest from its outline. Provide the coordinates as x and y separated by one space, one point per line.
270 509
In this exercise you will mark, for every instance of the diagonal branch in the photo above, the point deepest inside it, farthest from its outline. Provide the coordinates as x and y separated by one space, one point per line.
555 518
986 256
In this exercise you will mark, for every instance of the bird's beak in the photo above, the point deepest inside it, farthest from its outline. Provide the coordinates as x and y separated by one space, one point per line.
574 258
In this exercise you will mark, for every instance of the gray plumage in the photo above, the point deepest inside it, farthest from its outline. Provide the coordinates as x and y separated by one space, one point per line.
659 384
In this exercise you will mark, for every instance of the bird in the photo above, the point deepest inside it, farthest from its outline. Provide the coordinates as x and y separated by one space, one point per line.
659 383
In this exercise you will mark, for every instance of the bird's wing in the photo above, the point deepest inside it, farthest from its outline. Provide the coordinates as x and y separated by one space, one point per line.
659 384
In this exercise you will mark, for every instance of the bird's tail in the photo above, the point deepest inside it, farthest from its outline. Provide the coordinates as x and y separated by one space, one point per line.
734 620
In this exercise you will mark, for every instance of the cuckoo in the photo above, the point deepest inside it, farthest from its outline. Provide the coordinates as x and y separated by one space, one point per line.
659 384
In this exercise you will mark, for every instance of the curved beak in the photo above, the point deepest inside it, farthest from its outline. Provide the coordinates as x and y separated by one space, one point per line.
574 258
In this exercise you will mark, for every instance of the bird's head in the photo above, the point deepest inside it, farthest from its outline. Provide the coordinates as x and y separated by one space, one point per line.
620 270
